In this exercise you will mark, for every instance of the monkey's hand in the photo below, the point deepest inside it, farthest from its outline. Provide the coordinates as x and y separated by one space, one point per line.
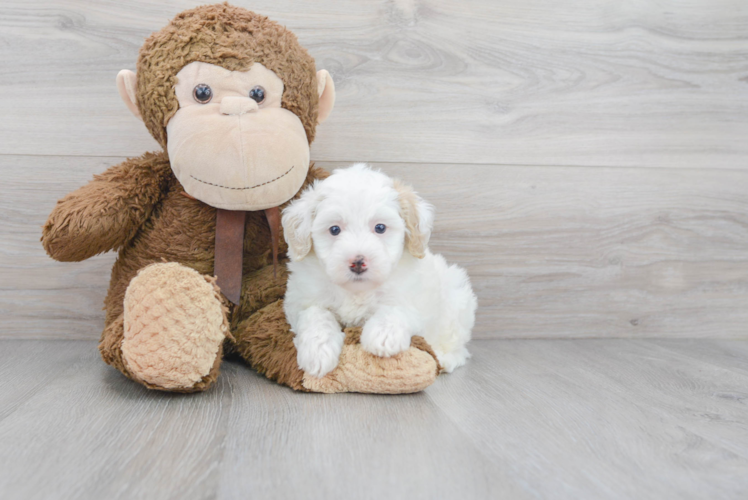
107 212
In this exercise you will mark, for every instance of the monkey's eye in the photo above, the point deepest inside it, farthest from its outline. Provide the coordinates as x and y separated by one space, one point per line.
258 94
202 93
335 230
380 228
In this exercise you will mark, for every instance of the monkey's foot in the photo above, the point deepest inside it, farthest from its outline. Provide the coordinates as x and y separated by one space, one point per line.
359 371
174 326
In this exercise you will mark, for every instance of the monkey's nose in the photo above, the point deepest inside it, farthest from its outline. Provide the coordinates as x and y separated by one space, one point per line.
236 105
358 265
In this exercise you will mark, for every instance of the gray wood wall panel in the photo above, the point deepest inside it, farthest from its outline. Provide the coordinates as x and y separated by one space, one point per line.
588 159
563 82
552 251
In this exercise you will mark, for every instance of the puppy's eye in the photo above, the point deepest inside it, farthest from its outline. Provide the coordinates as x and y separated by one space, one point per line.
335 230
380 228
258 94
202 93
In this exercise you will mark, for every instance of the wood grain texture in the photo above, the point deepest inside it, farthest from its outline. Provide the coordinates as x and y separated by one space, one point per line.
594 252
38 296
589 167
608 418
582 419
552 251
563 82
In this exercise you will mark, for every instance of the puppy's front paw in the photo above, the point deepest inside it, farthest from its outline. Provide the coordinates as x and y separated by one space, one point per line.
318 354
385 337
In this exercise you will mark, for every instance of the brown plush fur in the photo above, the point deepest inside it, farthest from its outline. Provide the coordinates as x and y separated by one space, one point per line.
175 228
106 213
140 209
230 37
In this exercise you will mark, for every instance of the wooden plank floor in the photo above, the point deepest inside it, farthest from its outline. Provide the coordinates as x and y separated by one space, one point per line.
580 419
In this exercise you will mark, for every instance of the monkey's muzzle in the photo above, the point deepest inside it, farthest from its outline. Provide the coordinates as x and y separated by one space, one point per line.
234 156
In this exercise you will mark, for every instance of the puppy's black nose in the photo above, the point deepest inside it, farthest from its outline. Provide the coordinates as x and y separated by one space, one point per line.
358 265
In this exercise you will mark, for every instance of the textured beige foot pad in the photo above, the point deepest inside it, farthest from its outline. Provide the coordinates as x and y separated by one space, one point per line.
174 325
359 371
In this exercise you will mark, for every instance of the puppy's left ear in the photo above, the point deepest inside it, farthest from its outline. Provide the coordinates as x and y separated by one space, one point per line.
297 224
419 219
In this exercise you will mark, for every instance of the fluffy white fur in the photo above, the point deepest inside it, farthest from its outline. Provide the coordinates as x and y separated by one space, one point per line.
405 290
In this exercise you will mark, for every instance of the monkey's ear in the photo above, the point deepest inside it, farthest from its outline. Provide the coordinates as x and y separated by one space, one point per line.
326 91
297 224
419 219
127 83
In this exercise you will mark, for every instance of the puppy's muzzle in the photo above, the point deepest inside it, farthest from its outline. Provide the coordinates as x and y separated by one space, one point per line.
358 265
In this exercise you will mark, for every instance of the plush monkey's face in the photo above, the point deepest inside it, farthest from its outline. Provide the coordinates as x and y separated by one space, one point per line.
231 144
233 141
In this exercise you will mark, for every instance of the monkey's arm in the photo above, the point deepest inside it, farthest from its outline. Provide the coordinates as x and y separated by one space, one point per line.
108 211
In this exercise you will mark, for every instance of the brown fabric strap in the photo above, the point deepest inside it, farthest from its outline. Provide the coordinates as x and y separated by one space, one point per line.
273 217
229 252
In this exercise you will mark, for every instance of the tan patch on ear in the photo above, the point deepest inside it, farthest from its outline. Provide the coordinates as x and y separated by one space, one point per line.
415 240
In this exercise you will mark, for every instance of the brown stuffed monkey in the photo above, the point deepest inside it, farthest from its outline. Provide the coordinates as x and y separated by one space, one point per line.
234 101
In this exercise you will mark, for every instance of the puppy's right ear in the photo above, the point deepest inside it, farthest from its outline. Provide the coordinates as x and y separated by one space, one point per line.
297 224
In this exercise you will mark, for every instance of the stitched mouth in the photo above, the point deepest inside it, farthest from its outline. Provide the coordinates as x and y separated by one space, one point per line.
247 187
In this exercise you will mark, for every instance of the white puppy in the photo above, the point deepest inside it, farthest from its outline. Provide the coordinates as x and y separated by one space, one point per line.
346 237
